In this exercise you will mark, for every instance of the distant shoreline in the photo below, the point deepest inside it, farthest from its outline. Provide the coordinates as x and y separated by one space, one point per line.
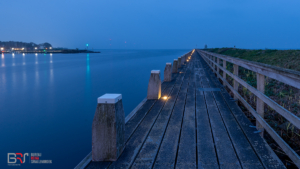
66 51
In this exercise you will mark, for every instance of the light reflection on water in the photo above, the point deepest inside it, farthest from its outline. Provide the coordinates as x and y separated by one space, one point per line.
47 102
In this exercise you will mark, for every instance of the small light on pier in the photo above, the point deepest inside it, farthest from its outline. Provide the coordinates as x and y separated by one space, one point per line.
165 97
2 49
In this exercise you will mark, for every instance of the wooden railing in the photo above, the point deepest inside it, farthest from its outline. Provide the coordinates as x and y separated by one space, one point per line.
286 76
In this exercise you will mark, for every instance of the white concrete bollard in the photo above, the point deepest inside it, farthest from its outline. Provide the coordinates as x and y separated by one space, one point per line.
168 72
154 86
175 64
179 62
108 128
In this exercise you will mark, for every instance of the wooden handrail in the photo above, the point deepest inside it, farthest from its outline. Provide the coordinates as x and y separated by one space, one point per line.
286 76
294 78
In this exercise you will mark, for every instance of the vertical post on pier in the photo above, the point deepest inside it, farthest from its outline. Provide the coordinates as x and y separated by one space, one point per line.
168 72
218 64
224 73
260 104
179 62
108 128
175 64
235 83
154 86
182 60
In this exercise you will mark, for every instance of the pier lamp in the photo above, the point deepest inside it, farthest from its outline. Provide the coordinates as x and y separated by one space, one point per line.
35 48
22 48
87 45
2 49
50 47
12 48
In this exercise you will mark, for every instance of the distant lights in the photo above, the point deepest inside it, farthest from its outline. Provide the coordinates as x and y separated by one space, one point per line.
2 49
12 48
50 47
35 48
23 48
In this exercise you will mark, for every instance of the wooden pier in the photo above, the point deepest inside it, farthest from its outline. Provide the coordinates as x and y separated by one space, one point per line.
195 124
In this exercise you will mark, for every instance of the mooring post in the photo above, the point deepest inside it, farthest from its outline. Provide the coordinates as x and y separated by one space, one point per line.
179 62
154 86
168 72
224 73
175 64
235 83
108 128
260 104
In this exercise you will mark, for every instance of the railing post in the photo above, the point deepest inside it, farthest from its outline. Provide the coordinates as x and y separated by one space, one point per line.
179 62
108 128
175 64
224 73
260 104
218 63
154 86
235 83
168 72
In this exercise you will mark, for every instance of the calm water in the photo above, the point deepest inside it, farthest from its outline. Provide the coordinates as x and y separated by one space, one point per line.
47 103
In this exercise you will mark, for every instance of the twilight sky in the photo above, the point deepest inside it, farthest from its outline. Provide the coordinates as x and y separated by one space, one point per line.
155 24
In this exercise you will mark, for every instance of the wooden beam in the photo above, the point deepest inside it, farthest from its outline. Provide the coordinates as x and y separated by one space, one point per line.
295 120
259 103
286 76
224 73
235 83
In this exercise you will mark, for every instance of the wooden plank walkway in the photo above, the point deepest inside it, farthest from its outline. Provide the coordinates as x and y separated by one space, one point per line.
198 126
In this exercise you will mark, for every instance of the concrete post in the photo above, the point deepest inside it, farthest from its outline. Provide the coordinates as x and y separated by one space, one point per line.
154 86
179 62
235 83
260 104
168 72
175 64
182 60
108 128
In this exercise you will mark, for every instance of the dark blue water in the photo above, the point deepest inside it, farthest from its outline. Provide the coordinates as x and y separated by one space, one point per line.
47 103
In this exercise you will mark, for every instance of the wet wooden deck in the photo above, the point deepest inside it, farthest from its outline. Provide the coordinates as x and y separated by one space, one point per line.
198 126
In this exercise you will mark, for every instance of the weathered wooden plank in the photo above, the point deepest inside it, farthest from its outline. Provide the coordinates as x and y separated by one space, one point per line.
206 152
138 137
262 149
148 152
168 149
186 157
245 153
224 148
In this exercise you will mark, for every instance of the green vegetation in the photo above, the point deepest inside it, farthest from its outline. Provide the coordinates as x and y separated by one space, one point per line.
289 59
